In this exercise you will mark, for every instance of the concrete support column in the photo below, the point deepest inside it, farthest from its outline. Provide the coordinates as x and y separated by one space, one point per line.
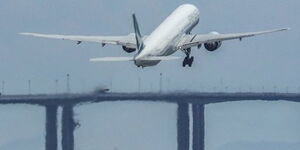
198 127
183 132
51 127
68 127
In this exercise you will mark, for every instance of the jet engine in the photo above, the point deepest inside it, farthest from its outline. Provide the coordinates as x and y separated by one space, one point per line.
213 45
128 50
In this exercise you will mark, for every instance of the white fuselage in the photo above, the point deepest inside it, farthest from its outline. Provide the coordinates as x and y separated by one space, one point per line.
164 39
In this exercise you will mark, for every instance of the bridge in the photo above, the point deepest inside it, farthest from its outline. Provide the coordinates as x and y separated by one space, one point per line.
183 100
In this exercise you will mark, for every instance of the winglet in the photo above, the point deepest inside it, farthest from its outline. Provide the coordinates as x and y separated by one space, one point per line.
138 36
283 29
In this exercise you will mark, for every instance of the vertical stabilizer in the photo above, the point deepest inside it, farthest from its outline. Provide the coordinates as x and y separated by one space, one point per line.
138 36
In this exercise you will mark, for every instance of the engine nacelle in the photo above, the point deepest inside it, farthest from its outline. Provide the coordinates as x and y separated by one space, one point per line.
212 46
128 50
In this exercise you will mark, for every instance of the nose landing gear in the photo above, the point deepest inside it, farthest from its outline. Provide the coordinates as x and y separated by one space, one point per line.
188 60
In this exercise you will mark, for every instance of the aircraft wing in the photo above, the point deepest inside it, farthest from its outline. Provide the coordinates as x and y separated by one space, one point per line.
128 41
197 39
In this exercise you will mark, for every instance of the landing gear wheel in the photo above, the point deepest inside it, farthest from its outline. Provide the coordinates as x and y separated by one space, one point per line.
191 60
185 61
188 61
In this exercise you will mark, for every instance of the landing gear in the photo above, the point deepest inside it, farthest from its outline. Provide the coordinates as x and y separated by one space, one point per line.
188 60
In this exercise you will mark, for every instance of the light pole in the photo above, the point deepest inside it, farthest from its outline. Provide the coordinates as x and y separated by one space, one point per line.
221 85
29 87
111 84
168 85
139 85
3 85
56 86
275 89
160 83
68 84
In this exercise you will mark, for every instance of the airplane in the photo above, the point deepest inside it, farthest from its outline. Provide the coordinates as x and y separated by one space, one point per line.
172 35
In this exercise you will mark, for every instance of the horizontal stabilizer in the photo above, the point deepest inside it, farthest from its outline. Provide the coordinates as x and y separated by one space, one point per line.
112 59
161 58
152 58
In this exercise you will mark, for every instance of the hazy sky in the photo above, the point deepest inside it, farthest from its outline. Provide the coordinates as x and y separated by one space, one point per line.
270 60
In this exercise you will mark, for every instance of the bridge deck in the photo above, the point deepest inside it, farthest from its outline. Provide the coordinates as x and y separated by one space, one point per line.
195 98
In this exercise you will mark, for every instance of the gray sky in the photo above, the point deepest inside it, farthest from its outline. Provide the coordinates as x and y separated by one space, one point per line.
269 60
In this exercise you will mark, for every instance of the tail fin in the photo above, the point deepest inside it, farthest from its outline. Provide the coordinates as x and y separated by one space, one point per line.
138 36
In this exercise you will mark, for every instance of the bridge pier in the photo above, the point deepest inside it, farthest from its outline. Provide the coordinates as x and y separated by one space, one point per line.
51 127
183 127
68 127
198 127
